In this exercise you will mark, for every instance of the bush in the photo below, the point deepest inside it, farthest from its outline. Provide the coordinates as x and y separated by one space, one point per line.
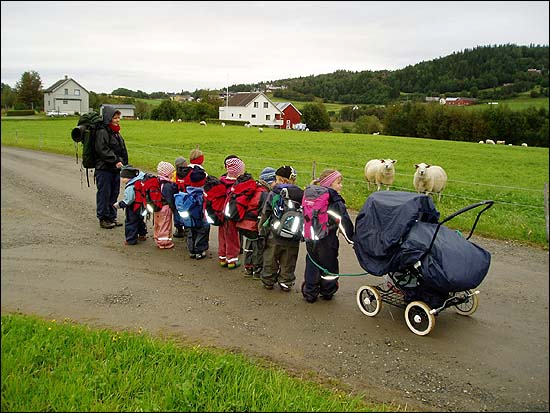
25 112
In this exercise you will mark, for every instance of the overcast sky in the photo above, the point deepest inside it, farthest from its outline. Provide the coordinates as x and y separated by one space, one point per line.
175 46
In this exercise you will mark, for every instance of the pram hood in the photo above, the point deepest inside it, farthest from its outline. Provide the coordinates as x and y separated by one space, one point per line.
394 230
382 224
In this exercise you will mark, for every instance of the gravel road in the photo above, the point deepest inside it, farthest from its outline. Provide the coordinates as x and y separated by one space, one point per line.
58 263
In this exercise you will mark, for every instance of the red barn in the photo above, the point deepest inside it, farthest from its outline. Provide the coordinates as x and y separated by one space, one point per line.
291 115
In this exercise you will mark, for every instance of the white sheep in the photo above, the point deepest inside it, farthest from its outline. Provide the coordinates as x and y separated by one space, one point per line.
172 121
380 172
376 133
261 129
524 144
490 141
223 124
203 123
481 142
501 142
429 179
247 125
179 120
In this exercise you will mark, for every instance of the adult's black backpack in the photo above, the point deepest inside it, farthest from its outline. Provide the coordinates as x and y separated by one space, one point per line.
85 133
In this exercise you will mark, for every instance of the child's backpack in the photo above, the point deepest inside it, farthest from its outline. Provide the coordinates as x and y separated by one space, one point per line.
85 132
190 208
237 202
148 194
314 208
286 220
214 199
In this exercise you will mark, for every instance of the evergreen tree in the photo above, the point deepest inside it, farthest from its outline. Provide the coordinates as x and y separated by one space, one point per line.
29 90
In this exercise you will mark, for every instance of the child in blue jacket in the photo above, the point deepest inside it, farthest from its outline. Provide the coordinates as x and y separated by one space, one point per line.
134 223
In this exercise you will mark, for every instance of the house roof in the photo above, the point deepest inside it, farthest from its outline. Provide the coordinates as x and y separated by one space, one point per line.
242 98
60 83
283 105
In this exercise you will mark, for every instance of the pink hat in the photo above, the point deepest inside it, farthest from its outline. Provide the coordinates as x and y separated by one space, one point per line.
235 167
329 179
165 169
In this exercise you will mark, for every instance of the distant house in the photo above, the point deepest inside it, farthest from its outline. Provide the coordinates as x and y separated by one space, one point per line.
291 115
126 111
252 107
459 101
67 95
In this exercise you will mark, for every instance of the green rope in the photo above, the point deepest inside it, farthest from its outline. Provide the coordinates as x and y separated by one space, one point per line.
327 272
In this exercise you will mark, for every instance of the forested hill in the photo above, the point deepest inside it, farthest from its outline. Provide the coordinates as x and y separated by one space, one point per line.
486 72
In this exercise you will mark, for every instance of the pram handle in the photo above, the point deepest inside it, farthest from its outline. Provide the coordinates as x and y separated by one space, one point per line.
488 204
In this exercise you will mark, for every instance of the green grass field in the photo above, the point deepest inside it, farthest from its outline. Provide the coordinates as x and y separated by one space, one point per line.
65 367
514 177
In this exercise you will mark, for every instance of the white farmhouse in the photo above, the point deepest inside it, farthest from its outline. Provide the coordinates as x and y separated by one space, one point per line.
252 107
67 95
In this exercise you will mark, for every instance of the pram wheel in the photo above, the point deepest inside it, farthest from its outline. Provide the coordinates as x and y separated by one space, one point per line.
418 317
368 300
469 306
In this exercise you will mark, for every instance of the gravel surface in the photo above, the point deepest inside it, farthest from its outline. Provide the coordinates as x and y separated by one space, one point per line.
58 263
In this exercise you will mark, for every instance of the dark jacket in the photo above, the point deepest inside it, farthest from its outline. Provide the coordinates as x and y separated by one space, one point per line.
110 147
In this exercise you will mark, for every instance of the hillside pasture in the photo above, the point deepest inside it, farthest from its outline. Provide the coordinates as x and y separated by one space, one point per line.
513 176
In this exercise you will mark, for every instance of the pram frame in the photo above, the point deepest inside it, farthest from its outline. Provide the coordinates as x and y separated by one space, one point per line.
419 316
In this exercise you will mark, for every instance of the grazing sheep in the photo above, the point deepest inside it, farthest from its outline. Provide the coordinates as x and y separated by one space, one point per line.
203 123
179 120
524 144
492 142
501 142
481 142
261 129
223 124
380 172
247 125
172 121
376 133
429 179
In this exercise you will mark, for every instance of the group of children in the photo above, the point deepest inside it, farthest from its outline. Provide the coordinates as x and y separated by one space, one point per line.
244 227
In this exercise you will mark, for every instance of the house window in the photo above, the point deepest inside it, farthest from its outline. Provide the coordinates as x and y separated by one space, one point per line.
66 91
256 104
77 92
65 102
240 115
266 105
253 116
232 115
267 117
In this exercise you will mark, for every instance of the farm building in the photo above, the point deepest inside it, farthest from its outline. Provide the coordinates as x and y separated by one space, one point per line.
291 115
458 101
126 111
67 95
252 107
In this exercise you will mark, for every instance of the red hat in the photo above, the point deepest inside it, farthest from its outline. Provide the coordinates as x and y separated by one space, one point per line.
235 167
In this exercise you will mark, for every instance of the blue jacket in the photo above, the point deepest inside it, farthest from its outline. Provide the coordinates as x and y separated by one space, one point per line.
129 191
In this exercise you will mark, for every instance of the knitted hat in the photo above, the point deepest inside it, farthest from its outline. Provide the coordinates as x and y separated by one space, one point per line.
180 161
197 176
235 167
128 171
268 175
286 171
165 169
228 157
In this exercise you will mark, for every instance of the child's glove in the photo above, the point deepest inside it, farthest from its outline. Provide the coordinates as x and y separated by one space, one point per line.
120 204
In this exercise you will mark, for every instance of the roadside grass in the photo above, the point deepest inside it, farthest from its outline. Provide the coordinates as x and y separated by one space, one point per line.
513 176
62 366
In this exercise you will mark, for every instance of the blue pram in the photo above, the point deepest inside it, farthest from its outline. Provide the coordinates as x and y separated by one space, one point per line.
426 267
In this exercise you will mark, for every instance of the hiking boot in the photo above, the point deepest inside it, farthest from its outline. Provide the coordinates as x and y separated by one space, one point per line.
179 233
285 287
142 237
130 242
106 224
233 265
268 287
200 256
247 271
117 224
